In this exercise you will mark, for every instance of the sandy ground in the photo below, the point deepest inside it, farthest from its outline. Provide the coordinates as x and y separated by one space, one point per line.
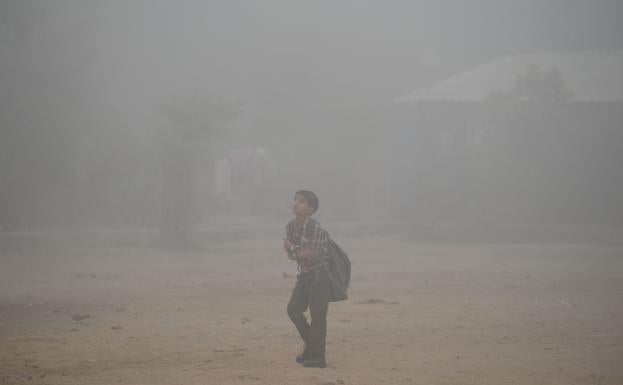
418 314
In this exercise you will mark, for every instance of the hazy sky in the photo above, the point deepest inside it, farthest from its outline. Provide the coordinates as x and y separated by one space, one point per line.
326 50
378 48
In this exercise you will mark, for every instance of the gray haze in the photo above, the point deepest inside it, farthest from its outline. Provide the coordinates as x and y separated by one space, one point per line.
467 155
162 114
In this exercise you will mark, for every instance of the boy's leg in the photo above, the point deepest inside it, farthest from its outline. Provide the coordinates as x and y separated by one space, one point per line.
318 308
299 301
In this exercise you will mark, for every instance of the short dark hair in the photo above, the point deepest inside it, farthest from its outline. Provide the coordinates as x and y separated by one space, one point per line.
310 197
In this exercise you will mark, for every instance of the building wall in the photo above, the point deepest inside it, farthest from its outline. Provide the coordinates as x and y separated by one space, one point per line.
484 162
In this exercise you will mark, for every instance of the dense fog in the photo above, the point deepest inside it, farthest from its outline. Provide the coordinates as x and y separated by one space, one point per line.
173 115
467 157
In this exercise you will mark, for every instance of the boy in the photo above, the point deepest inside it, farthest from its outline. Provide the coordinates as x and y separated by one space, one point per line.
306 242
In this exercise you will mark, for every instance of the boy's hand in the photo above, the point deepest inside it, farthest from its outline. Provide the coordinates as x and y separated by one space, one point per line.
290 249
307 254
287 245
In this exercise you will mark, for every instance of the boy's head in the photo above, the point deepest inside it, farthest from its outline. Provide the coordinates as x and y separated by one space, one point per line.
305 203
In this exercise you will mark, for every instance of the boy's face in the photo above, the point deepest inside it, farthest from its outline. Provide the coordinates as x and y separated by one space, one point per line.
300 206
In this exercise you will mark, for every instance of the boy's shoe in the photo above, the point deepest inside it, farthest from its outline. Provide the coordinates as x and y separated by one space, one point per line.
317 362
302 356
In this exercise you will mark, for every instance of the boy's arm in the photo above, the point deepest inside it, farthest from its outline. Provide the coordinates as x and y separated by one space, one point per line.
317 244
291 249
308 254
288 245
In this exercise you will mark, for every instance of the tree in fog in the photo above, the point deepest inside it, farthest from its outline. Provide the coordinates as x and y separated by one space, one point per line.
537 85
190 119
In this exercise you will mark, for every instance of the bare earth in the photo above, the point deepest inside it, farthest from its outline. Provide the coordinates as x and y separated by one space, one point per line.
417 314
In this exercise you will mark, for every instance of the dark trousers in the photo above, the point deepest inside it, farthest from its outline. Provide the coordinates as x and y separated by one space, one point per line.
311 290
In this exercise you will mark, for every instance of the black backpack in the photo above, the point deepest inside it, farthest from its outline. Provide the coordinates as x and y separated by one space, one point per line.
338 267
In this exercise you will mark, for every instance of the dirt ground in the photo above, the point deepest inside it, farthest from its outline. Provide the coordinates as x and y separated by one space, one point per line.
417 314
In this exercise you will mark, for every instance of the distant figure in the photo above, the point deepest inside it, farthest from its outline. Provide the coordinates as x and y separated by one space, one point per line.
324 275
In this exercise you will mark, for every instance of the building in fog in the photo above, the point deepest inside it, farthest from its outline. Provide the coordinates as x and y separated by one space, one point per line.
531 138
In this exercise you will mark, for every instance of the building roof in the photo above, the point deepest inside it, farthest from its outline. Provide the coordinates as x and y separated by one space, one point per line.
589 76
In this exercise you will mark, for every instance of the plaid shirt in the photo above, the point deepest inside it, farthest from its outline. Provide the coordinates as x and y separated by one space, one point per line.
308 236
